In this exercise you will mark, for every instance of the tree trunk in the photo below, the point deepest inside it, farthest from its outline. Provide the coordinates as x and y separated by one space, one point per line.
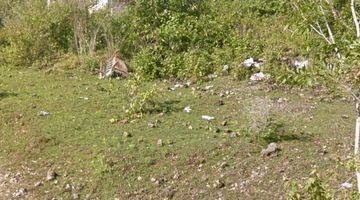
357 142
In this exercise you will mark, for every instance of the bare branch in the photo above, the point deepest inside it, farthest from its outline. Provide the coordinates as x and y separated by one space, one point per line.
355 18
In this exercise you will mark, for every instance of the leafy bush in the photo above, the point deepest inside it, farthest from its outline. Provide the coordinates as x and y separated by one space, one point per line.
34 32
175 38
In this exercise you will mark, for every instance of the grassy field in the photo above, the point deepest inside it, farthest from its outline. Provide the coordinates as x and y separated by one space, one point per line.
170 154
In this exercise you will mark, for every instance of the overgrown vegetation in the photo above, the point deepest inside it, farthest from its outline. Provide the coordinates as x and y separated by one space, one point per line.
185 39
178 40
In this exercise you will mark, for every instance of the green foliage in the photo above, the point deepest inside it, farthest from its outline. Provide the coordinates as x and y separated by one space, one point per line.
35 33
314 189
176 38
140 100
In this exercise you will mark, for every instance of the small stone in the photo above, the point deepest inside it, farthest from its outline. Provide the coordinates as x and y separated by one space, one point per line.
126 134
207 117
139 178
218 184
51 175
38 184
233 135
68 188
224 123
271 149
20 192
345 116
75 196
43 113
187 109
224 164
160 143
169 193
152 125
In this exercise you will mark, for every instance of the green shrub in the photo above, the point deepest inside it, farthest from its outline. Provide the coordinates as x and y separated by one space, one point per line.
176 38
36 33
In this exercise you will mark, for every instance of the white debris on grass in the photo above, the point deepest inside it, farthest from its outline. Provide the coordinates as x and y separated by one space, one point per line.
207 117
187 109
251 62
44 113
346 185
259 76
208 87
300 64
101 4
85 98
212 76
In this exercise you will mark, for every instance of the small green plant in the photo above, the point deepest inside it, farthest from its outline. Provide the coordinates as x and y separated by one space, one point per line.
99 165
314 189
140 100
271 131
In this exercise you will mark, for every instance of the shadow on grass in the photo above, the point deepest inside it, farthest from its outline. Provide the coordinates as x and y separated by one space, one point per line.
165 107
289 137
4 95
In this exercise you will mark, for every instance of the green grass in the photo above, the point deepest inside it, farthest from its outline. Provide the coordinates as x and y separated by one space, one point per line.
90 152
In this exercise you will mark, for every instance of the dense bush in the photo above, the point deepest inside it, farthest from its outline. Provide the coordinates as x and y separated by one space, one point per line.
35 33
174 38
180 38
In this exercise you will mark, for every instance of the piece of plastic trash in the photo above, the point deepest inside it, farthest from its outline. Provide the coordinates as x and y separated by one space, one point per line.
259 76
43 113
207 117
300 64
187 109
208 87
251 62
346 185
101 4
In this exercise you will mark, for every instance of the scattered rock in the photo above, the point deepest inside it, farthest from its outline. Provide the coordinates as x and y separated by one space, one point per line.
346 185
84 98
207 117
300 64
51 175
44 113
259 77
75 196
157 182
20 192
218 184
187 109
38 184
271 149
154 124
169 193
225 70
160 143
126 134
345 116
233 135
252 62
206 88
68 188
